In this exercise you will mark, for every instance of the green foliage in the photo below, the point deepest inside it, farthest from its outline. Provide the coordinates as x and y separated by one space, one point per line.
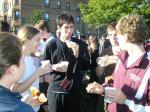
36 16
100 12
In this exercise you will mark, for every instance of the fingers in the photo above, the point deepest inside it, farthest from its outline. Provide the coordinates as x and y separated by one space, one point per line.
48 78
60 67
75 48
35 103
94 88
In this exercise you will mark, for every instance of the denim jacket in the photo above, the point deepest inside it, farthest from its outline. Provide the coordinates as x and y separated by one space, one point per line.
10 102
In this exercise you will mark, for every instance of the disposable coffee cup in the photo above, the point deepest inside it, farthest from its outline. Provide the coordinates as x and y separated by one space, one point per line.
109 89
64 63
44 63
69 43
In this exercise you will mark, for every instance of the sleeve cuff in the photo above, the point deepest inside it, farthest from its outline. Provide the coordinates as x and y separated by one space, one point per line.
127 102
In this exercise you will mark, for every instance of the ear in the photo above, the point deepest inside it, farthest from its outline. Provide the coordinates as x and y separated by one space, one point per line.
126 38
11 70
58 27
27 42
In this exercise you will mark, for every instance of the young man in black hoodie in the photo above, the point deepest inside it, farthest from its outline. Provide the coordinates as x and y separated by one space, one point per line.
64 90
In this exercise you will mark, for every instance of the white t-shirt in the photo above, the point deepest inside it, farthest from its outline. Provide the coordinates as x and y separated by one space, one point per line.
29 70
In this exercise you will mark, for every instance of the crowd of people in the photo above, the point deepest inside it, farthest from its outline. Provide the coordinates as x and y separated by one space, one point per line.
84 74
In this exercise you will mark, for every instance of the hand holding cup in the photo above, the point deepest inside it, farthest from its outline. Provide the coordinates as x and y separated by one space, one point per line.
74 46
61 67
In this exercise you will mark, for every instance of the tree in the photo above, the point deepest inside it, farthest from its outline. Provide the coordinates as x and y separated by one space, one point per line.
99 12
36 15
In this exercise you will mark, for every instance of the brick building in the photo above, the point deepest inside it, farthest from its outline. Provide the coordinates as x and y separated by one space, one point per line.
19 12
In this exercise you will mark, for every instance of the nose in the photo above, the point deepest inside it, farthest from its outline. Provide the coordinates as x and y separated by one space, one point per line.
69 29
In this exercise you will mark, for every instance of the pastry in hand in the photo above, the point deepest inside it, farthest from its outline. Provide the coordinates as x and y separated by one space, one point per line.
34 91
36 94
42 98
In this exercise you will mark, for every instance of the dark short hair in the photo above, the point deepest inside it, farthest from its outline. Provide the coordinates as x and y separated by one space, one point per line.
42 25
65 18
4 26
10 51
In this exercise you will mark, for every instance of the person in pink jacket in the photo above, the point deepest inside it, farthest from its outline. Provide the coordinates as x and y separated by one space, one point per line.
130 91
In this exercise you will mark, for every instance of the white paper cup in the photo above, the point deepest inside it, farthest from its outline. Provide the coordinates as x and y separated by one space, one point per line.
69 43
64 63
45 62
109 89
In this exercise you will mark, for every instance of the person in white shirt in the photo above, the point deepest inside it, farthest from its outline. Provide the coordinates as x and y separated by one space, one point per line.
30 37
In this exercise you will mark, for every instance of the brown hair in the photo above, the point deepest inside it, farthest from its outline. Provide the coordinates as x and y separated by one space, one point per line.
111 26
42 25
65 18
27 32
10 51
135 26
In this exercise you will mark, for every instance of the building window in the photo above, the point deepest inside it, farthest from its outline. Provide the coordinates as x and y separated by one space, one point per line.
47 3
17 13
16 29
58 4
5 18
58 15
17 2
78 19
5 6
78 6
46 16
68 5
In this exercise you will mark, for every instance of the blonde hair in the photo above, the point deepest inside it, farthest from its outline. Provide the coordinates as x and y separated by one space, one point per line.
27 32
92 43
135 26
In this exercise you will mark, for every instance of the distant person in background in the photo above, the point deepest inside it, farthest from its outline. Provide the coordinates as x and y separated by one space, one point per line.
44 28
83 38
94 54
4 26
11 70
105 70
46 36
93 46
107 54
103 43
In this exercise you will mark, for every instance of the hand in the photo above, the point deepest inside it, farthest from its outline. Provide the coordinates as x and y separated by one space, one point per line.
61 67
108 78
48 78
95 88
106 60
75 47
116 50
101 61
33 101
115 96
44 69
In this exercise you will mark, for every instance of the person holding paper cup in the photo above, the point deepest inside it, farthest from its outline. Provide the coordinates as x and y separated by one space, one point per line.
30 37
130 91
68 56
